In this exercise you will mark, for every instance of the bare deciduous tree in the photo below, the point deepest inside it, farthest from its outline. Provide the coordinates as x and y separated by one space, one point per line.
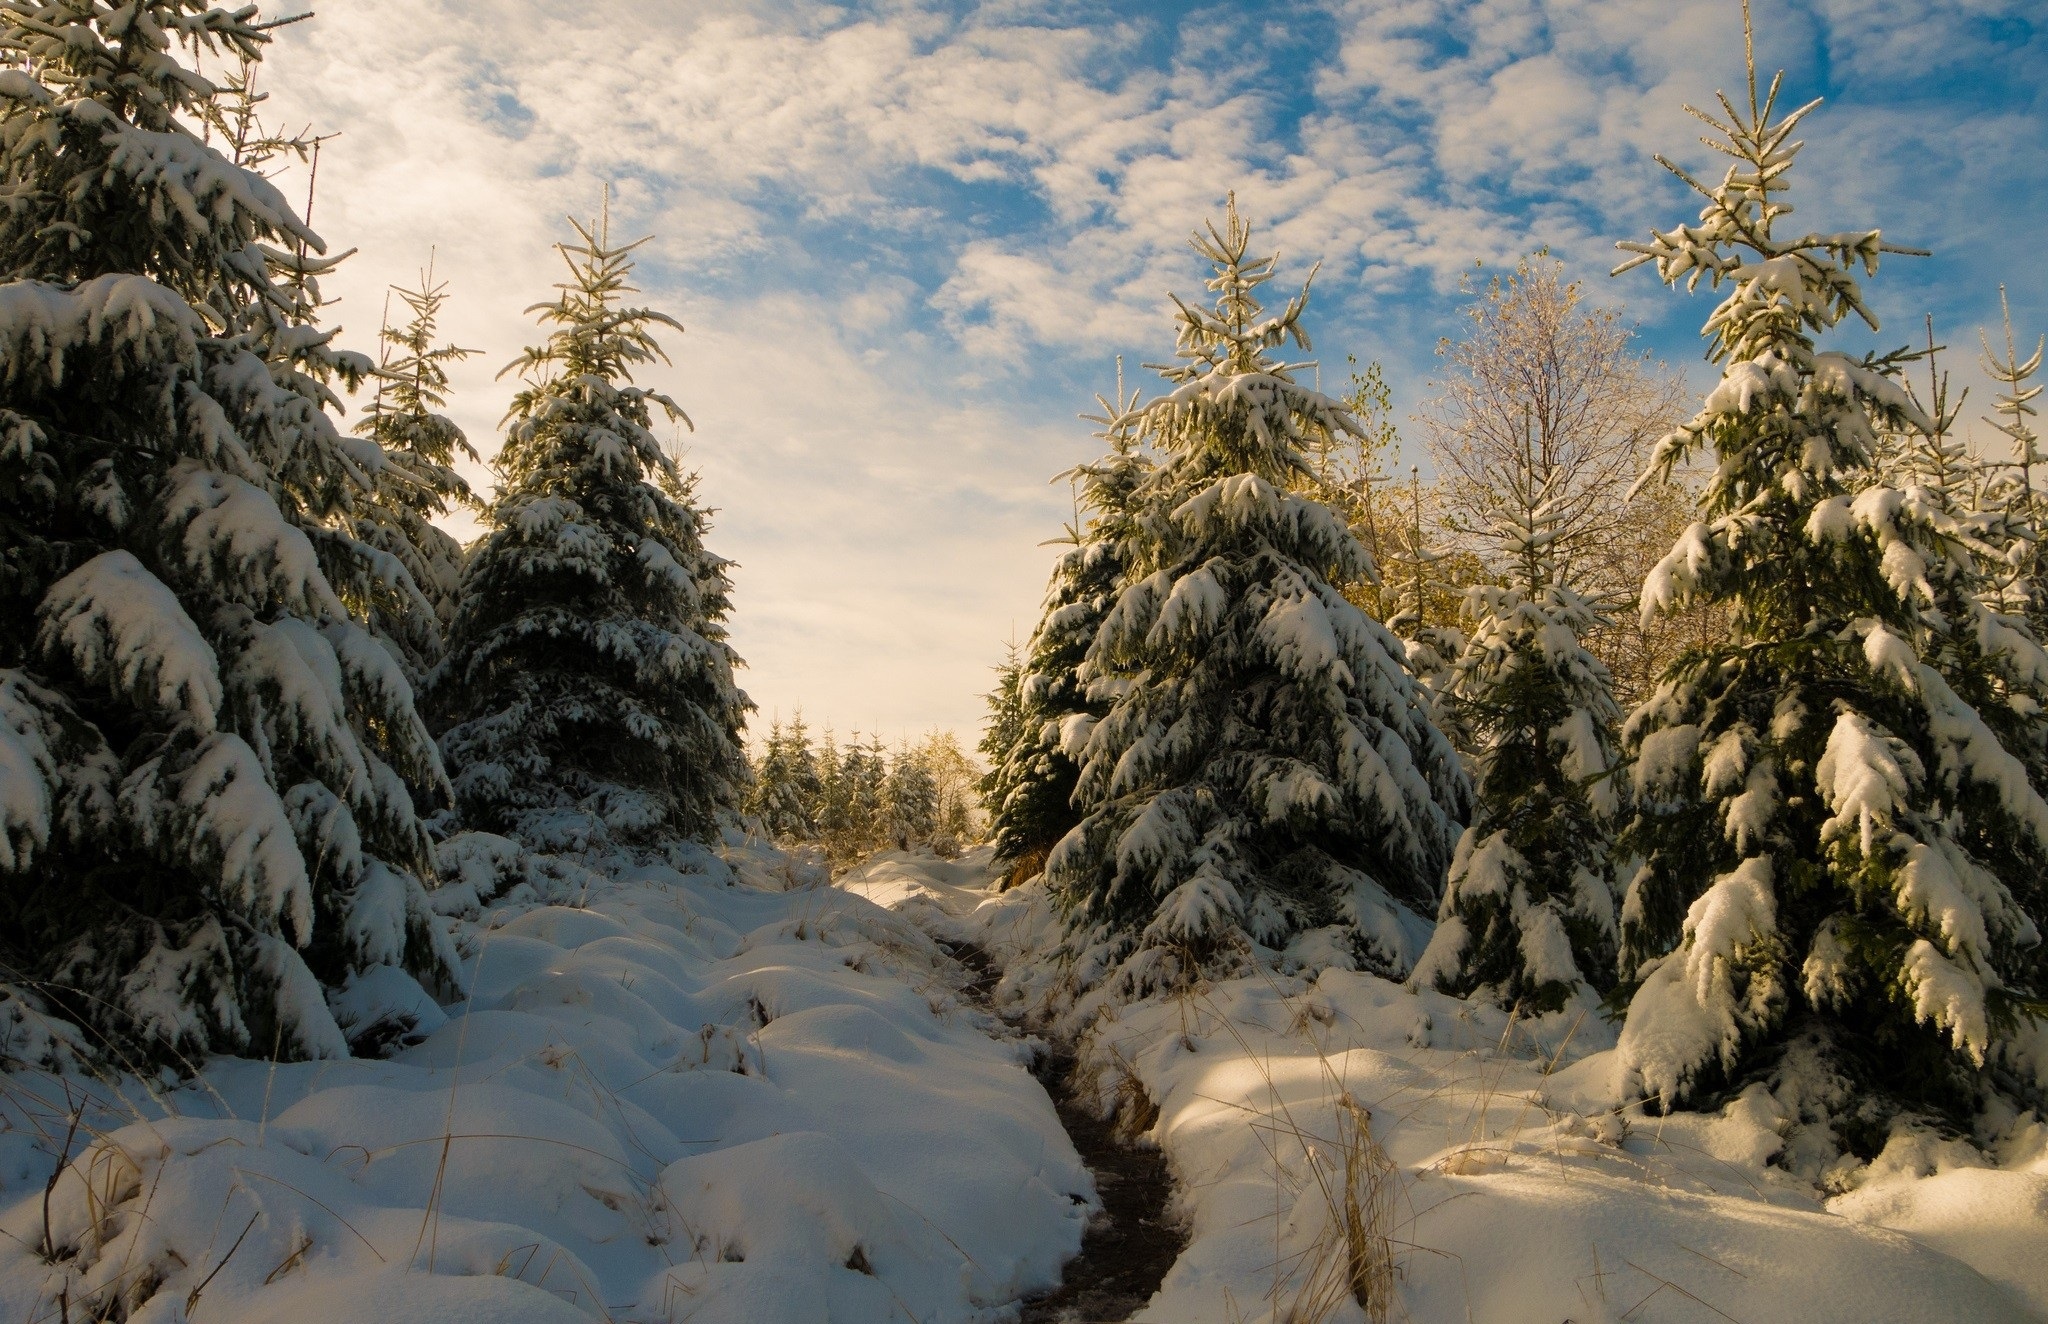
1545 393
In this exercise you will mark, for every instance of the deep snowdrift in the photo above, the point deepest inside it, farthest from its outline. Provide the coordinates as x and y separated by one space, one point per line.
732 1095
1508 1185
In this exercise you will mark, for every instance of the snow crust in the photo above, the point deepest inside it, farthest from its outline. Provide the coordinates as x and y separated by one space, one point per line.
730 1094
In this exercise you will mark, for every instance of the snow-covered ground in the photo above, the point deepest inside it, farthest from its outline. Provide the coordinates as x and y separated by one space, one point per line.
731 1095
740 1095
1321 1129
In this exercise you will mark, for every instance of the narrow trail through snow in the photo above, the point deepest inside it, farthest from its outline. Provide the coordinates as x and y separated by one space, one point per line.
1130 1246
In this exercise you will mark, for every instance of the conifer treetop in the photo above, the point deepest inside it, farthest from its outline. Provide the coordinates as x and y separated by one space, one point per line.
412 373
117 112
1784 288
596 338
2015 405
1233 394
1784 292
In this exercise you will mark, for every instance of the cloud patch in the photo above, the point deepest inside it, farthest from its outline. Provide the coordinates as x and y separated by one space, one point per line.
908 238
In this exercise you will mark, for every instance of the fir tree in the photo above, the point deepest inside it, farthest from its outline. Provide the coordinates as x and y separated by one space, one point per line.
588 691
867 799
913 800
208 804
853 820
1003 730
785 784
804 776
418 483
1832 832
1266 767
765 795
1032 775
829 809
1528 911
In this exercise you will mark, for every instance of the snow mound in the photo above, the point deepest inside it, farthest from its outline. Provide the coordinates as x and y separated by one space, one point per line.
1511 1181
711 1095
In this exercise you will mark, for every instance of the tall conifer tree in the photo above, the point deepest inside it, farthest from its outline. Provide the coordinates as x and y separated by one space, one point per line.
1033 773
418 483
1266 767
1528 915
1832 831
209 766
588 690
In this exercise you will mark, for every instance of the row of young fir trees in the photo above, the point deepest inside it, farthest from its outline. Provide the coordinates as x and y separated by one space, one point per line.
863 798
245 684
1813 856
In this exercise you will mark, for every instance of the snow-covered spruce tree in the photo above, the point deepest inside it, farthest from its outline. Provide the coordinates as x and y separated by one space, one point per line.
911 796
1831 832
768 795
207 804
1527 917
587 699
828 806
1002 728
418 482
1032 776
1978 541
1266 768
784 795
853 784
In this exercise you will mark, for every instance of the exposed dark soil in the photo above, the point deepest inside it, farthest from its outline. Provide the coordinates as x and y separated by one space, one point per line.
1131 1244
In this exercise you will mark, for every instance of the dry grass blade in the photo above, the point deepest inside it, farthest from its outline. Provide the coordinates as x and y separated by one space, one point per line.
1360 1187
1370 1188
192 1297
1665 1284
49 1246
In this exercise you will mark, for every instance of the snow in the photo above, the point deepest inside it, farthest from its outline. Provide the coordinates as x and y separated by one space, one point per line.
1988 1218
1194 606
123 627
215 807
234 535
1947 996
1663 760
28 768
1520 1184
732 1094
1865 776
1739 910
1304 641
42 324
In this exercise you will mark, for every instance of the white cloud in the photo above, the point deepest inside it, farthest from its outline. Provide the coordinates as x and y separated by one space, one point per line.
894 233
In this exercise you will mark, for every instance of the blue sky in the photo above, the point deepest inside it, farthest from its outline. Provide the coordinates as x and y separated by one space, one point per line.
908 240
